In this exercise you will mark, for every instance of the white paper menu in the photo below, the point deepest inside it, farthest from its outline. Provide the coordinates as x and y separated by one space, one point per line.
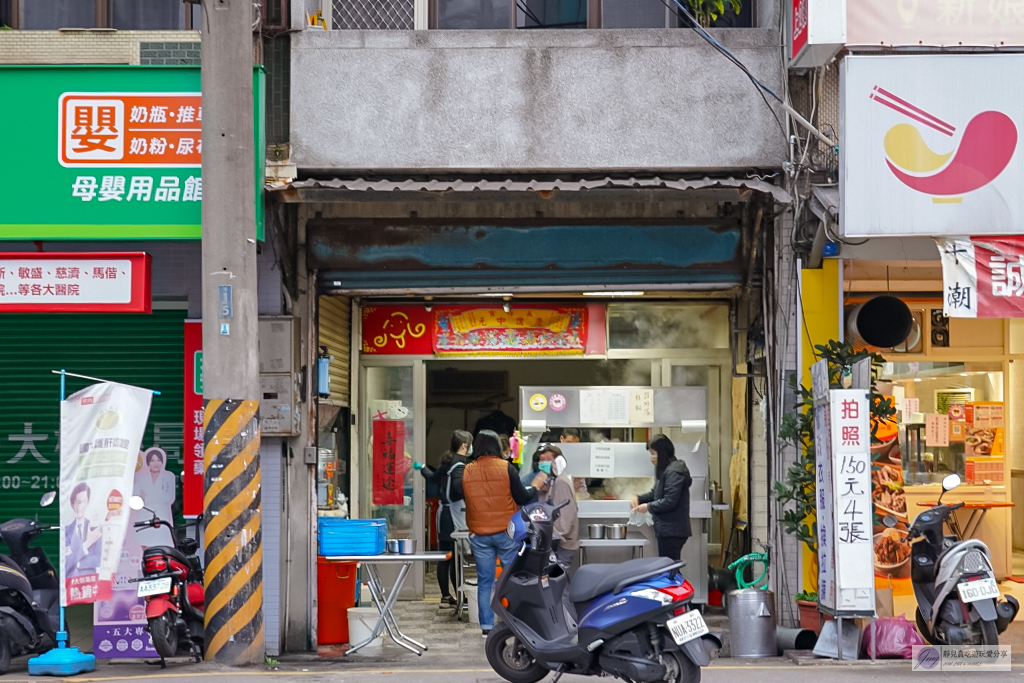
602 461
604 406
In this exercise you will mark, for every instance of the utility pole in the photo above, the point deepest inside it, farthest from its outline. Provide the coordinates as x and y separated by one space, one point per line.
231 502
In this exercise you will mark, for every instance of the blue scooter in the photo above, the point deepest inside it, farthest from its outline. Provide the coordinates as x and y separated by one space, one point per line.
631 620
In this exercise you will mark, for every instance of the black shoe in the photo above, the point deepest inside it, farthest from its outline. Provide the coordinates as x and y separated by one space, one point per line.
486 633
447 601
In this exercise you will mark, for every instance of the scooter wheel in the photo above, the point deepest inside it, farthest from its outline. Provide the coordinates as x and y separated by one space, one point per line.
5 653
989 633
510 659
165 634
679 668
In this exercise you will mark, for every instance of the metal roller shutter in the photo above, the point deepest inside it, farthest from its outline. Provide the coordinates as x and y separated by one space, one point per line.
144 350
336 334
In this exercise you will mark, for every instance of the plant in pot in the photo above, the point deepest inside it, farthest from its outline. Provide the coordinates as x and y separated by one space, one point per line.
797 491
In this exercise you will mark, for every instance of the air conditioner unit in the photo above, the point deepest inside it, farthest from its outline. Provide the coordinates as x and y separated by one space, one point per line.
274 14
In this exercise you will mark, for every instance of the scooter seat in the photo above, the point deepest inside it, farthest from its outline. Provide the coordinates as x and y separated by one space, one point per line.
592 580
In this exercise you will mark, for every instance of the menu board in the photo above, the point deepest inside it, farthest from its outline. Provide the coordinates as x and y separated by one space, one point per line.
604 406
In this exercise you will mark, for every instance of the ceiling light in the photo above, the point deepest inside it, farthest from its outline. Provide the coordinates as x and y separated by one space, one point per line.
963 374
917 379
499 295
613 293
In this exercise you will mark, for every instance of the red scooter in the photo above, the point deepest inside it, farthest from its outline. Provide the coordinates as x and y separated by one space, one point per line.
172 585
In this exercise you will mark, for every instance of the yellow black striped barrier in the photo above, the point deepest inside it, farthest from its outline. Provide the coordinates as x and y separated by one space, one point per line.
234 542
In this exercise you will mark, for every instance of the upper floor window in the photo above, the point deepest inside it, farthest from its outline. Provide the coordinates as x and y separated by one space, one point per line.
124 15
553 14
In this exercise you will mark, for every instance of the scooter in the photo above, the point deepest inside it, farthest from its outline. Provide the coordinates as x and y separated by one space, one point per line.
172 585
632 620
958 599
29 591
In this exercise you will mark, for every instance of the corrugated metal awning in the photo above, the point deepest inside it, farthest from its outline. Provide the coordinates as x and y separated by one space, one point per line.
510 185
825 202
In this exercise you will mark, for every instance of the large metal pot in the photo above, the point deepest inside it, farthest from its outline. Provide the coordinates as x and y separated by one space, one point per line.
595 530
406 546
615 531
393 545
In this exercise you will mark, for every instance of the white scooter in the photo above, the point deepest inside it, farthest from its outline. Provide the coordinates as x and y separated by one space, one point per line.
958 599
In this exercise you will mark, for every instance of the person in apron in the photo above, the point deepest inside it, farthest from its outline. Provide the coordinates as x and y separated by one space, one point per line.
452 514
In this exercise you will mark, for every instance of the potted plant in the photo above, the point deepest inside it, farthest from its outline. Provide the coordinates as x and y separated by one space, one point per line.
807 604
797 491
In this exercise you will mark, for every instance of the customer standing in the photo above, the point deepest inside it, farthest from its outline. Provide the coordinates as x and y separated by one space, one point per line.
559 488
669 500
452 515
493 494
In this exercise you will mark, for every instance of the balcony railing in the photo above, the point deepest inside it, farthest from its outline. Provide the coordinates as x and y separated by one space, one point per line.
399 15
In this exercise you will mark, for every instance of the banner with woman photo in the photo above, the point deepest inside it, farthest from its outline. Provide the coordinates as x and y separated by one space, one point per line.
101 430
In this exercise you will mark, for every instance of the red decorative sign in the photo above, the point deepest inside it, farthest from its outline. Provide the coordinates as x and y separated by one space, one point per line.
404 330
388 462
799 26
983 277
192 448
36 282
525 331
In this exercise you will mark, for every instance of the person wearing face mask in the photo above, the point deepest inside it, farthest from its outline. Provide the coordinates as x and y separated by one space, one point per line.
669 500
559 488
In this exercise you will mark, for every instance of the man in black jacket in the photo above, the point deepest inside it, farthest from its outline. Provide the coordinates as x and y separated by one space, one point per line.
669 500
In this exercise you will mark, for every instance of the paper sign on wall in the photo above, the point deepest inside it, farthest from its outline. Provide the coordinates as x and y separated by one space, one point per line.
604 406
602 461
936 430
911 406
641 406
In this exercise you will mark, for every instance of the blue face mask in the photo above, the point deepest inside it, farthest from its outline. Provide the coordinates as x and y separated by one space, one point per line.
545 467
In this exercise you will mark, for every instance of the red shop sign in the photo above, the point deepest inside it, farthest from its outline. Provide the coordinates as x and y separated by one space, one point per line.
388 462
108 282
192 449
404 330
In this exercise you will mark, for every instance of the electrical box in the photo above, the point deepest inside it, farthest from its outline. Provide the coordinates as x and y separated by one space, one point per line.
278 412
277 344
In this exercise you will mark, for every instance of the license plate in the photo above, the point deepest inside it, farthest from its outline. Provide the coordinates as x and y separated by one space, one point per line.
686 627
154 586
982 589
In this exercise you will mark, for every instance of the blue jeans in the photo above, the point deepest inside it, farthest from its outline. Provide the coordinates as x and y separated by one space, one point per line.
485 550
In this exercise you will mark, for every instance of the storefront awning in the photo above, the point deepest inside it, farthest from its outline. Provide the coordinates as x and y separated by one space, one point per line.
293 192
825 202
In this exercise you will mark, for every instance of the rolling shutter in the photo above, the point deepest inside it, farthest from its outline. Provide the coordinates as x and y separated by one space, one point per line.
336 334
144 350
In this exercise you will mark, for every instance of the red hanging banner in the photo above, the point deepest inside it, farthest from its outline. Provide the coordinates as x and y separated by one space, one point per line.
526 331
192 448
388 462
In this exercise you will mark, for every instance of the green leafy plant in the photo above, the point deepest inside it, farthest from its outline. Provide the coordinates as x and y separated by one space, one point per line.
807 596
707 11
797 491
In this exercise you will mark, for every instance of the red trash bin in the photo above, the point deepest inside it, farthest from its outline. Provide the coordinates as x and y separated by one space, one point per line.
336 592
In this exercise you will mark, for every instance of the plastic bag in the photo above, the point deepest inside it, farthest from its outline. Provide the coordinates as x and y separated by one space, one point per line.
896 638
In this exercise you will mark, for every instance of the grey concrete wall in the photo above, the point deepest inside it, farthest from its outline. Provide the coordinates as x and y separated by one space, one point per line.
532 101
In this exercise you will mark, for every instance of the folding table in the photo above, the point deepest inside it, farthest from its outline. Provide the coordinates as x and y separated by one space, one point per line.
385 601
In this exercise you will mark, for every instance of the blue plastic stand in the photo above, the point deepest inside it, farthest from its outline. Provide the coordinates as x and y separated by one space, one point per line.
61 660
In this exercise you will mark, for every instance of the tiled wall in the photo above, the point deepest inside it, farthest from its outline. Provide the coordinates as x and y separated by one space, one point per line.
186 52
97 46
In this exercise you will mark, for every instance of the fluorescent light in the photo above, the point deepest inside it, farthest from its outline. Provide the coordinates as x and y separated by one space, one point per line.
496 294
917 379
613 293
963 374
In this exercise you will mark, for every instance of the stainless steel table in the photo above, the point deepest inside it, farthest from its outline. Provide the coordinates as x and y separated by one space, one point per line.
385 601
461 538
632 542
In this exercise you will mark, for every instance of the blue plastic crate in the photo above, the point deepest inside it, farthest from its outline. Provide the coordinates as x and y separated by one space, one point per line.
339 536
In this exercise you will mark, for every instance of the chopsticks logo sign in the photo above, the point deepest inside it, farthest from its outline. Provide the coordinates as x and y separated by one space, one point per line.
971 159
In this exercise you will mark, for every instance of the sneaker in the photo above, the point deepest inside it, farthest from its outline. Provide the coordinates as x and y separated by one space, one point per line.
486 633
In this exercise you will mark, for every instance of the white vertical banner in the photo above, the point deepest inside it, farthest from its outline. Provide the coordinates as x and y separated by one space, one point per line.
852 506
959 277
824 515
101 429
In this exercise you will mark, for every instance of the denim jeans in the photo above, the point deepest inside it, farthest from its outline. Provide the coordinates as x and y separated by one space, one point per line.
485 550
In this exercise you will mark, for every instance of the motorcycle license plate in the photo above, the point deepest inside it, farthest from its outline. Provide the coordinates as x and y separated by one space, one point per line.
686 627
154 586
982 589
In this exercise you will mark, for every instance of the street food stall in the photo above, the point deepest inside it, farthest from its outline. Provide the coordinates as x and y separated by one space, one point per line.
616 465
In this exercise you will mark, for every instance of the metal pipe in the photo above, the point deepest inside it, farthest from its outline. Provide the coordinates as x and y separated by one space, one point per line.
795 639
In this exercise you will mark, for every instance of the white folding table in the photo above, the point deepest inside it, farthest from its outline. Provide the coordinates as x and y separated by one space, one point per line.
385 601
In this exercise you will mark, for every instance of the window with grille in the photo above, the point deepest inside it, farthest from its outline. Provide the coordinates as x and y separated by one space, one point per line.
386 15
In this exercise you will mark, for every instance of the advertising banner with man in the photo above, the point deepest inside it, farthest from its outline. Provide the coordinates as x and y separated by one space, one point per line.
101 430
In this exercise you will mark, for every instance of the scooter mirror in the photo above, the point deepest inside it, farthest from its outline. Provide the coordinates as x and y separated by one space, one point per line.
950 482
890 521
47 499
136 503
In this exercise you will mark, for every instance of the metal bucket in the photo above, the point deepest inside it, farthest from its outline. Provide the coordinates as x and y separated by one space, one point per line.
752 623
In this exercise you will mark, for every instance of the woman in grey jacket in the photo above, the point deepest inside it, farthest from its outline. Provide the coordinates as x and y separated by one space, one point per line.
560 489
669 500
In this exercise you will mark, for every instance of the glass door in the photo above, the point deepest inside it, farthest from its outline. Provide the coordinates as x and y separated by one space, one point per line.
392 435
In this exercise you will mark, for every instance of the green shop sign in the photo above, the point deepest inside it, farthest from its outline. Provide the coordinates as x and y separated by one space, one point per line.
108 152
